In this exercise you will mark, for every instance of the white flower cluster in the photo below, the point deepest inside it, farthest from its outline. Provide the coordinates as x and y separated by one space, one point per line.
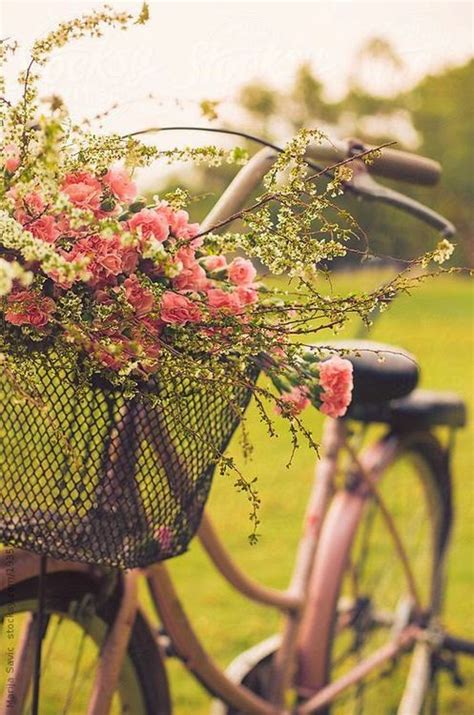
11 271
14 237
443 251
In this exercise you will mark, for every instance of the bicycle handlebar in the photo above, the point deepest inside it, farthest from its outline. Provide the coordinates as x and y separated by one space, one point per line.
393 163
362 184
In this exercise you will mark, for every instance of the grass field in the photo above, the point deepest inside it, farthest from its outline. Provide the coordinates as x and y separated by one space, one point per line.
436 324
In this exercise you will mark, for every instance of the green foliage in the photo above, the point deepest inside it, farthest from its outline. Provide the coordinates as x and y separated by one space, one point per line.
437 315
436 109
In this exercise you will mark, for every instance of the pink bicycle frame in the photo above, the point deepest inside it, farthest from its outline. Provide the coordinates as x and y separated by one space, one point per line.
328 532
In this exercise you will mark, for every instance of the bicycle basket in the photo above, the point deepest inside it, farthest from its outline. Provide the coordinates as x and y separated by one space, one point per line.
87 475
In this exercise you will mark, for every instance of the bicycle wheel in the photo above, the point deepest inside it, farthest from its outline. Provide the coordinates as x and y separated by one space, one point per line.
76 626
371 597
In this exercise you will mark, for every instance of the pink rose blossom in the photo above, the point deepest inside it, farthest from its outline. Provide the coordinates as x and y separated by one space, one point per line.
103 297
129 260
215 263
153 328
191 278
178 310
63 223
335 377
27 307
187 256
164 535
165 209
180 226
34 203
294 402
242 271
247 295
105 256
113 356
109 360
44 228
149 222
83 190
110 262
119 182
139 298
11 157
178 221
220 300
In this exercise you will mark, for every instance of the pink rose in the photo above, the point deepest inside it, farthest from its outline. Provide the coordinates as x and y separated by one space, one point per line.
11 157
335 377
129 260
105 256
191 278
220 300
27 307
178 310
178 221
187 256
64 225
83 190
34 203
113 359
152 325
294 402
139 298
164 536
110 261
242 271
215 263
149 222
180 226
44 228
119 182
103 297
247 295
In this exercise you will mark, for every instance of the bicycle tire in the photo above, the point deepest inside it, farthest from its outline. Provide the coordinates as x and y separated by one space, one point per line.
427 453
143 683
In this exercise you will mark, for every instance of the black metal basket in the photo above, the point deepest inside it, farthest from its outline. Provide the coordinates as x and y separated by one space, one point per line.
87 475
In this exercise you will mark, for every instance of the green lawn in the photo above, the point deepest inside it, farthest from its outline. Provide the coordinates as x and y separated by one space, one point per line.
436 324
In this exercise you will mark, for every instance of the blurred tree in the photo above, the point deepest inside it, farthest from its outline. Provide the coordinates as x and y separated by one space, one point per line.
442 112
377 69
434 118
261 102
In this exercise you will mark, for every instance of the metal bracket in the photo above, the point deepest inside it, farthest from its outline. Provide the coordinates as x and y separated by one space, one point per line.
83 610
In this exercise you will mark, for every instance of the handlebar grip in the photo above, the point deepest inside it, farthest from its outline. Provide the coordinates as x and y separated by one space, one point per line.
393 164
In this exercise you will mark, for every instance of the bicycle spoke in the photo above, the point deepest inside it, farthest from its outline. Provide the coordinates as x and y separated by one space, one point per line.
375 587
75 672
87 673
51 643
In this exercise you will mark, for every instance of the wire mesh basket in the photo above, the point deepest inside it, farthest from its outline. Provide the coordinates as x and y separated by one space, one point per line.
88 475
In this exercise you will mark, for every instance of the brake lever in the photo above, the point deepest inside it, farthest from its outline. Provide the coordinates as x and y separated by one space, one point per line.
363 184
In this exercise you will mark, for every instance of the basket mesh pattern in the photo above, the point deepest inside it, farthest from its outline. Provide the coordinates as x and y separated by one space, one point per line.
87 475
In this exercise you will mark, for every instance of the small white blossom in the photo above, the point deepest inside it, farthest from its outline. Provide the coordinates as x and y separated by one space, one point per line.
11 271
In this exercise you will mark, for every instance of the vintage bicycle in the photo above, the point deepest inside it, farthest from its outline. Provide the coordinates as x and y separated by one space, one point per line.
81 637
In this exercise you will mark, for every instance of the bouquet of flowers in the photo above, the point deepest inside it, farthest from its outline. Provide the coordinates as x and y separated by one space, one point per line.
136 295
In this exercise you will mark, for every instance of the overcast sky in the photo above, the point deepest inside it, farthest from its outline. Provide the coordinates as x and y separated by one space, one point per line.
191 50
